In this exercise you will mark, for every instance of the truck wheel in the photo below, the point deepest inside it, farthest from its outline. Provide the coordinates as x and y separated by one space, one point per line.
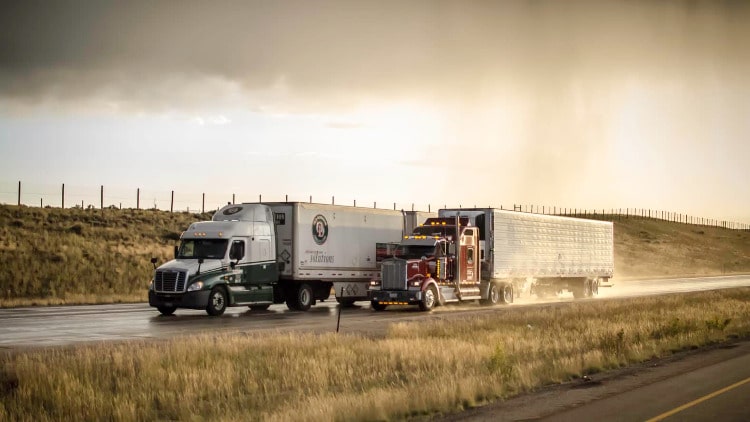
493 296
378 306
588 288
507 294
346 302
166 310
304 297
428 299
258 307
217 301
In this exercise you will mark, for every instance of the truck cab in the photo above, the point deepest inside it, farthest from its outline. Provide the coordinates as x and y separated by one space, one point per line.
439 262
229 261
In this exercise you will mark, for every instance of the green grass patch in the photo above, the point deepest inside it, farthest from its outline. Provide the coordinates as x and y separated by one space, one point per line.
417 368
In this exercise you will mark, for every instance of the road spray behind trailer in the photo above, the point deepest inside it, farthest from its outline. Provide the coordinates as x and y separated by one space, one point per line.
492 255
258 254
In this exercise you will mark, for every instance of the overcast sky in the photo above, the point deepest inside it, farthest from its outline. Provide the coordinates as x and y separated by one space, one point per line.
587 104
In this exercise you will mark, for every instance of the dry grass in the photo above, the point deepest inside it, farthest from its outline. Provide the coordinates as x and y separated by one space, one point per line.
418 368
53 256
648 248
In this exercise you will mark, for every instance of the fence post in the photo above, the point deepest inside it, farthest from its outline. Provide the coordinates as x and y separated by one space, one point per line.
102 197
355 202
203 204
63 196
138 199
19 193
171 203
233 200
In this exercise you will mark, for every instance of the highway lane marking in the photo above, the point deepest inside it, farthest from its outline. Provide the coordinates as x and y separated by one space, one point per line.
697 401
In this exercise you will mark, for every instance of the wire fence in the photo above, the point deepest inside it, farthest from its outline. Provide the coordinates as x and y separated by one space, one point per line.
100 197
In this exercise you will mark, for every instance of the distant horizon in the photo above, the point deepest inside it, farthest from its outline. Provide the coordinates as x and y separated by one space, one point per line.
192 202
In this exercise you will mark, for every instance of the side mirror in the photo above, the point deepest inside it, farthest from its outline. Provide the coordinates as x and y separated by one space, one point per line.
153 261
452 249
233 264
176 251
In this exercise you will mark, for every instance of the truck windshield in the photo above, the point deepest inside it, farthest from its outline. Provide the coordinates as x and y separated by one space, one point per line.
435 230
202 248
414 251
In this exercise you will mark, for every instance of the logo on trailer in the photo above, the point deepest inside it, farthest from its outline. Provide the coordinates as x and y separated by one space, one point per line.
320 229
232 211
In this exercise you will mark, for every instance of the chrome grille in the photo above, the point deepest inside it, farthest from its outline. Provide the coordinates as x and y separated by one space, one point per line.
393 274
169 281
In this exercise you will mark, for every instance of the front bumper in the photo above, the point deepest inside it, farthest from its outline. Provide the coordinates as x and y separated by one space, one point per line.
190 300
396 297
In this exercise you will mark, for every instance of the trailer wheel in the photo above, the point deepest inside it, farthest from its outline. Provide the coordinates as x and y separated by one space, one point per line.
507 293
303 297
493 296
217 301
378 306
588 288
259 307
166 310
428 299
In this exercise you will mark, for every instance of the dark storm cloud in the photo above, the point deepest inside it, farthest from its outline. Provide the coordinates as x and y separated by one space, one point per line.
323 53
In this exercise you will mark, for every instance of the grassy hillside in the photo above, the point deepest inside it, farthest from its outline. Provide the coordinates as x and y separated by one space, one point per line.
646 247
52 256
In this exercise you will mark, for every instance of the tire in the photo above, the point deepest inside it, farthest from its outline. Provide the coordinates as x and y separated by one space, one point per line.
507 294
493 296
303 298
166 310
258 307
429 299
378 306
217 301
588 288
345 302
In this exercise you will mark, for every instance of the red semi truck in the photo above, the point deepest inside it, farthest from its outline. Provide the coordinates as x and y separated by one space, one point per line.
492 255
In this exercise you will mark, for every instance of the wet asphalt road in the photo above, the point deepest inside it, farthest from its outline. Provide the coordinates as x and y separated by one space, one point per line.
55 326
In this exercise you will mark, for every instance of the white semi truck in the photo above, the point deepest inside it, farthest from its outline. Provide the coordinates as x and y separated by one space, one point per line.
492 255
257 254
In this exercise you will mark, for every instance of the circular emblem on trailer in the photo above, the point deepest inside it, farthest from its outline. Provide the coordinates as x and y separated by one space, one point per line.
232 210
320 229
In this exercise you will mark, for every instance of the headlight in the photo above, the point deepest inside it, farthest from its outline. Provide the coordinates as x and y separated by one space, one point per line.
195 286
151 284
415 283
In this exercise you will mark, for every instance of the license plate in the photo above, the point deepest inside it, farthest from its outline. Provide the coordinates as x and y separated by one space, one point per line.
394 295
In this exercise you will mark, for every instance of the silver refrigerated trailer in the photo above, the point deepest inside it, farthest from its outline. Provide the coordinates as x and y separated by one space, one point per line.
542 254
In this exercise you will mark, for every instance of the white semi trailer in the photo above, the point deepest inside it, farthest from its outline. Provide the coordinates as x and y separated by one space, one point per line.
493 255
257 254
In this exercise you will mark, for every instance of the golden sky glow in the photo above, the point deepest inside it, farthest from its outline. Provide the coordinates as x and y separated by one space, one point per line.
588 104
